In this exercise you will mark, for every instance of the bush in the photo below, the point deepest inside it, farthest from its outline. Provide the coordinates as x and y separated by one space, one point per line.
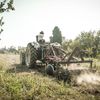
98 56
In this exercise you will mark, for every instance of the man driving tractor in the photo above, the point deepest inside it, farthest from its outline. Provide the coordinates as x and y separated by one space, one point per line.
41 41
39 38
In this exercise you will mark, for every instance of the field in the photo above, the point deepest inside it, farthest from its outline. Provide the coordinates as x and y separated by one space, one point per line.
17 82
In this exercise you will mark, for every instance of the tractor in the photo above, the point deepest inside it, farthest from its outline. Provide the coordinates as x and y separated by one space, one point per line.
52 56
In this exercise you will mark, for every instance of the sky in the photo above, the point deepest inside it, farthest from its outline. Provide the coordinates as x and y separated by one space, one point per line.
32 16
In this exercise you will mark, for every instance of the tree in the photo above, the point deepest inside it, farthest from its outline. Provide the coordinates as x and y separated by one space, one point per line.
57 36
12 49
97 41
87 42
51 39
5 6
67 45
86 39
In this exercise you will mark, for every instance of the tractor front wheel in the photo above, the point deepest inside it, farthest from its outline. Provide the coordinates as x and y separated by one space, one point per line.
49 69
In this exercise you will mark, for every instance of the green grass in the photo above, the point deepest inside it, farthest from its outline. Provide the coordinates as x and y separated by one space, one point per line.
95 65
28 85
37 87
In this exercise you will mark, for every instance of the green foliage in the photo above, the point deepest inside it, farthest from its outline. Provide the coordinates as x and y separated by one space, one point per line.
98 56
9 50
86 39
35 87
1 24
57 36
12 49
51 39
75 44
67 45
5 6
97 40
89 41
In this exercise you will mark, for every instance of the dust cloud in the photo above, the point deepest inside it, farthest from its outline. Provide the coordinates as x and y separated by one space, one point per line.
91 78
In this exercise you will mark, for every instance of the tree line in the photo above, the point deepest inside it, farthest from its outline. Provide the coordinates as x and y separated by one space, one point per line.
87 41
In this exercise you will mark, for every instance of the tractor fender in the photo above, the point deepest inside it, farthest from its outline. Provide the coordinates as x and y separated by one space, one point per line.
36 45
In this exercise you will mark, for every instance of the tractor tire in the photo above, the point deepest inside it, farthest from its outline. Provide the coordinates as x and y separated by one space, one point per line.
31 56
22 58
49 69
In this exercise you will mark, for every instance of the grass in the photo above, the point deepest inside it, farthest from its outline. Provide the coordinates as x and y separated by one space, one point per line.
37 87
96 64
32 85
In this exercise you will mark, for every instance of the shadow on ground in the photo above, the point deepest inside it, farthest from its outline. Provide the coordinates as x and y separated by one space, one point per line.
17 68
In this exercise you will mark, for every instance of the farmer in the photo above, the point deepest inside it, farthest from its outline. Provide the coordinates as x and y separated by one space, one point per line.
39 38
41 41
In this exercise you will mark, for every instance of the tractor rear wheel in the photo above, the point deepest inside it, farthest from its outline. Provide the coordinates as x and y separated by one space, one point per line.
31 56
22 58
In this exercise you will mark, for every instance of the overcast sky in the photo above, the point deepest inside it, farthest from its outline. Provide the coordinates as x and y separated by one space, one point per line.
32 16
